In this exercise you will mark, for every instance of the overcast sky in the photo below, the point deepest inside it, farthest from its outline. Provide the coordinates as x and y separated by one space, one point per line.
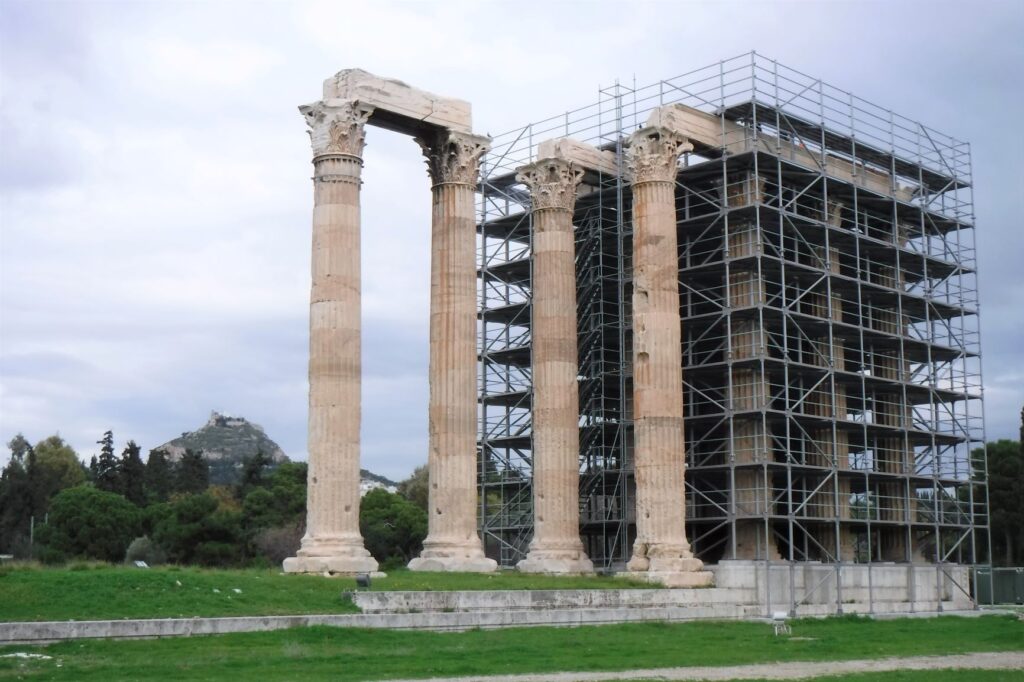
155 196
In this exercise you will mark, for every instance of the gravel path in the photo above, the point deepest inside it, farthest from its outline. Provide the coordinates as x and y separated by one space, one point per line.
795 670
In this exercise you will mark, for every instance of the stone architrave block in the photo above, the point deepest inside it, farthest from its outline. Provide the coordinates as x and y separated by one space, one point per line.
583 155
397 105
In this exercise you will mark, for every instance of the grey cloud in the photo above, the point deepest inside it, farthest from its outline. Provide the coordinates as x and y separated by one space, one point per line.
155 256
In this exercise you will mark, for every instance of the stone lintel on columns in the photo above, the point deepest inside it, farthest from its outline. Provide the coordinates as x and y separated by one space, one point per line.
702 129
585 156
398 106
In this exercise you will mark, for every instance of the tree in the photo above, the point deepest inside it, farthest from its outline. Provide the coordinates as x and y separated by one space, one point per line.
280 502
16 499
33 476
159 477
416 488
107 471
19 447
193 473
196 531
133 474
1006 500
252 473
393 528
90 523
56 467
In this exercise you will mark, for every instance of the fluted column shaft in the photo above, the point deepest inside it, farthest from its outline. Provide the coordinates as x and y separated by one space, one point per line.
659 464
657 373
452 542
556 545
333 542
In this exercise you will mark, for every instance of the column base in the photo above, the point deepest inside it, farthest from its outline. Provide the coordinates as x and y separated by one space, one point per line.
668 565
671 578
341 565
556 562
453 558
336 556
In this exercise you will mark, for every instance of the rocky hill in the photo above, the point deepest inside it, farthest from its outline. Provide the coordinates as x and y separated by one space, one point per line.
227 441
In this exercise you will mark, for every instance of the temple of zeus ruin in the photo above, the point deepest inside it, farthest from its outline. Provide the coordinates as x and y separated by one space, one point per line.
718 329
442 128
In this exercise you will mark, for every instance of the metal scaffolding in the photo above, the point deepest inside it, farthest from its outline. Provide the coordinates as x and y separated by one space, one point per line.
831 350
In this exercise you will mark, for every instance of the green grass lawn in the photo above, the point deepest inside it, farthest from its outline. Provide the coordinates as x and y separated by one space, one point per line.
113 592
355 654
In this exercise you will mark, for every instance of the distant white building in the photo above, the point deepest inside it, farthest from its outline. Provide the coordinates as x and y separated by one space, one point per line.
366 485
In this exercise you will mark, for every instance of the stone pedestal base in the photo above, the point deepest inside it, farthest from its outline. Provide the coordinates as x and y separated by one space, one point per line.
556 561
335 556
672 578
335 565
453 559
669 566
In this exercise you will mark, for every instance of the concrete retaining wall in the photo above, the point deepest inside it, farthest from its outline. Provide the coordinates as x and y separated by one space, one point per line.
39 633
518 600
805 584
746 590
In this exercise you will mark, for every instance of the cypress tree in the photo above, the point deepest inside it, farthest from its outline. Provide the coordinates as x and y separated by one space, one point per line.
108 468
159 477
193 475
132 474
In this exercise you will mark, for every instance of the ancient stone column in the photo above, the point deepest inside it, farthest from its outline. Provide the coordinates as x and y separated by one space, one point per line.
556 546
661 552
332 542
452 542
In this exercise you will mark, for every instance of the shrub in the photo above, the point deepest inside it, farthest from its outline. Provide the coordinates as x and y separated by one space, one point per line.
144 549
392 527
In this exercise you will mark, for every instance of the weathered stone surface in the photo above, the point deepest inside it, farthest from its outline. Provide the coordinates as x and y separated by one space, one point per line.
660 551
333 543
452 543
397 105
579 153
556 545
337 128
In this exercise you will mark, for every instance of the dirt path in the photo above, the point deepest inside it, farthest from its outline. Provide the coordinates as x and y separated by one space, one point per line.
795 670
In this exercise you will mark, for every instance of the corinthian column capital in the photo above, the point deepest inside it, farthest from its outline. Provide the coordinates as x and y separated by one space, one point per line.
653 153
336 128
552 183
453 157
